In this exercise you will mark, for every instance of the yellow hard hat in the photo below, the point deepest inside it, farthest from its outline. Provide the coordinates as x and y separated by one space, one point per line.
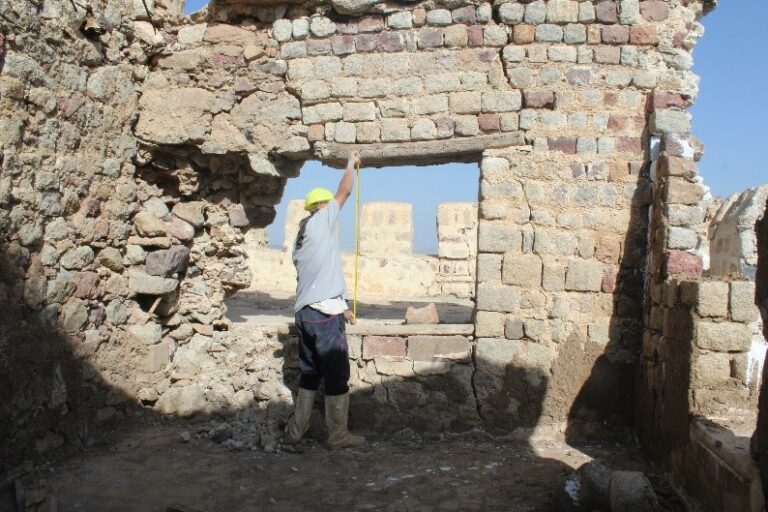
317 195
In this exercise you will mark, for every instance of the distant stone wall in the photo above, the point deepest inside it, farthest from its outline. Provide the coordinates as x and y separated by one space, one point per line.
732 237
388 268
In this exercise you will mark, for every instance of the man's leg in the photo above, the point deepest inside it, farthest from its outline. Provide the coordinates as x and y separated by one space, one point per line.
309 381
336 374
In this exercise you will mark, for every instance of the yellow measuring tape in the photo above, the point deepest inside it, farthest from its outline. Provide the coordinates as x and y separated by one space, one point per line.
357 239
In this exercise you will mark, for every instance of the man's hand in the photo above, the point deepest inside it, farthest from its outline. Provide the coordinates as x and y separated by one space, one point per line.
349 317
354 160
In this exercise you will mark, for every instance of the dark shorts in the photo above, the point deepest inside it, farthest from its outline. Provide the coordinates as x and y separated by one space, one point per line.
323 351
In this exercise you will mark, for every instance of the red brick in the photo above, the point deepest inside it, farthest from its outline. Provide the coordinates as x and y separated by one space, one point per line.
644 35
489 122
615 34
377 346
565 145
371 23
654 10
523 34
390 41
316 132
475 35
539 99
681 262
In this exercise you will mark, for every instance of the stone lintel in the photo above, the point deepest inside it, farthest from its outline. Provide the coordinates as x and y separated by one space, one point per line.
430 152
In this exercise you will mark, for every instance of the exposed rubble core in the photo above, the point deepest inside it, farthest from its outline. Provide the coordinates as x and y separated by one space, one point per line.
138 147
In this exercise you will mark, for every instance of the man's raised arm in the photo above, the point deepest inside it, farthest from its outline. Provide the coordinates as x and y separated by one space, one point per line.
348 180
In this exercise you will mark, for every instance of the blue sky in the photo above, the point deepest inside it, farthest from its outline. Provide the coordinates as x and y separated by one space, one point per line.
729 117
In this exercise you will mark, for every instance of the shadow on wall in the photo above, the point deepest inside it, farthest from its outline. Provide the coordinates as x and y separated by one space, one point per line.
52 399
759 446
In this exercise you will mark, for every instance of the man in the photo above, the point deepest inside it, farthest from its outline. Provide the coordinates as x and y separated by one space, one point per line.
321 311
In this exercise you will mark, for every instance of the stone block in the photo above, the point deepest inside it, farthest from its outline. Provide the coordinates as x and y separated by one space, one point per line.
499 237
394 367
489 122
345 133
654 10
709 297
539 99
586 12
670 121
400 20
742 302
607 54
489 324
644 35
395 130
430 37
359 111
440 17
456 36
562 11
547 33
575 34
501 101
615 34
682 238
466 15
383 346
468 102
343 44
684 263
321 26
495 35
535 12
522 270
439 348
489 267
565 145
431 104
682 191
497 297
514 329
523 34
322 113
511 13
553 276
393 108
475 35
723 336
607 12
584 276
629 12
493 355
711 369
389 41
368 132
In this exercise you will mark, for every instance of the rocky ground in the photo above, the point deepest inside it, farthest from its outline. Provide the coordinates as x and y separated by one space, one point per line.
152 468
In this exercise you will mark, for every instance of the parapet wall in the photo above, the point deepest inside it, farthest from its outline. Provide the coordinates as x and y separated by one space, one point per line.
388 266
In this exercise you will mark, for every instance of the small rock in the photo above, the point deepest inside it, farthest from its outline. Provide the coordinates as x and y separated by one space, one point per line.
191 212
148 225
167 262
134 255
111 258
77 258
156 207
179 229
185 437
149 333
425 315
142 283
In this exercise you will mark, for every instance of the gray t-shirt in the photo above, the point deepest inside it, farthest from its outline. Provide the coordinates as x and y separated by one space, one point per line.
317 258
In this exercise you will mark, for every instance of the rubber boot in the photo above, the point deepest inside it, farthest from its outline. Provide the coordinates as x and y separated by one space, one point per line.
299 422
336 417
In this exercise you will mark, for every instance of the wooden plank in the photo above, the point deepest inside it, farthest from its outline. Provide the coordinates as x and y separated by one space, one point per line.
456 149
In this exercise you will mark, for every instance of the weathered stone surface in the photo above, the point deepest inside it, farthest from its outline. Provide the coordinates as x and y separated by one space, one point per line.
183 401
439 348
191 212
723 336
149 333
145 284
631 491
378 346
168 262
175 116
426 315
148 225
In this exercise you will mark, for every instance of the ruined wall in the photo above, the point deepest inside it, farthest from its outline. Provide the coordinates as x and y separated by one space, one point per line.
732 236
136 154
759 447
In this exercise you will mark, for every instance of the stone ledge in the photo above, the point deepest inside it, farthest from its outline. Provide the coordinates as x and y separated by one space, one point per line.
410 330
467 149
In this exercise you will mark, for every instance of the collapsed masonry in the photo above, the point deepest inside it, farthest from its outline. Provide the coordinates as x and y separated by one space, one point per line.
139 146
387 262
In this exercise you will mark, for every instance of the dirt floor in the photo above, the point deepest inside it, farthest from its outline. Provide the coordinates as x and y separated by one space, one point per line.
150 468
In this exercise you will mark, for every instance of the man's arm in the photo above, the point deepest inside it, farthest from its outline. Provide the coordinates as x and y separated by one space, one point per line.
348 180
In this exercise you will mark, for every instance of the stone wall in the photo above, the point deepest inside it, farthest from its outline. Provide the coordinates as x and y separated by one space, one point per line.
139 146
732 236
